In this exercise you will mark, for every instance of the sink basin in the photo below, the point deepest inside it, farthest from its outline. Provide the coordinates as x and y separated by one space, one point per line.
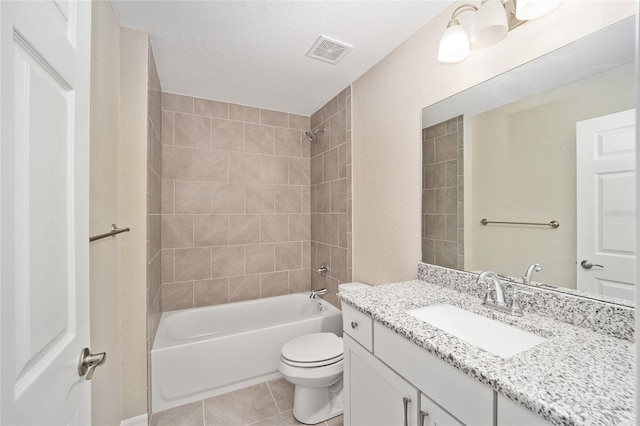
493 336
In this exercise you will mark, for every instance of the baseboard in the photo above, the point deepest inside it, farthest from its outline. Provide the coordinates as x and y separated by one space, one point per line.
142 420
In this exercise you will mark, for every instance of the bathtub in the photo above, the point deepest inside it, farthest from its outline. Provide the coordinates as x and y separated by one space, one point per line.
203 352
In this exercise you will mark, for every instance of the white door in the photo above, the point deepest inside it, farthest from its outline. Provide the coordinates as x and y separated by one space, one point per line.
44 177
606 204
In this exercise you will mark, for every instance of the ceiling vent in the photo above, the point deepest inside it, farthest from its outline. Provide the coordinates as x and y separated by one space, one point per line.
328 50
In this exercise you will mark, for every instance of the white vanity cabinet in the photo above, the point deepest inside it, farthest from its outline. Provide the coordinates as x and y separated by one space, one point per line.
375 395
431 414
512 414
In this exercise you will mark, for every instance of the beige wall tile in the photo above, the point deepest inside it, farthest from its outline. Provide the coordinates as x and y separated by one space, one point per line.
316 166
447 200
316 118
274 118
323 255
299 280
177 296
341 100
168 196
259 138
339 196
244 168
446 254
274 284
155 232
210 292
177 163
167 128
154 186
177 103
227 134
330 171
274 169
338 129
306 254
342 160
288 199
259 258
299 227
331 228
211 230
244 288
288 142
300 122
244 229
436 226
339 263
306 198
244 113
317 227
192 131
343 230
192 264
299 169
211 166
227 261
323 200
177 231
227 198
211 108
192 198
446 147
167 266
330 108
288 256
260 198
274 228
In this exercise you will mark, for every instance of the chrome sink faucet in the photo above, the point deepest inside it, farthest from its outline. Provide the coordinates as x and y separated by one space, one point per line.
534 267
494 296
320 292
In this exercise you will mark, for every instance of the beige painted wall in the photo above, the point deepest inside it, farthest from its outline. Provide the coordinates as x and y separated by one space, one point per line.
524 170
387 101
133 214
104 196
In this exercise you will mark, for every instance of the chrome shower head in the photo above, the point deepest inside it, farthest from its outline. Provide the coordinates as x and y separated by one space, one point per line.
313 136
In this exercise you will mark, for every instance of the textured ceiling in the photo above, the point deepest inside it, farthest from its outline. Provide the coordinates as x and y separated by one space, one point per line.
253 52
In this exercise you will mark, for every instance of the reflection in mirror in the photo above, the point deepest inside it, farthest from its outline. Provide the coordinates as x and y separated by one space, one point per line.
505 150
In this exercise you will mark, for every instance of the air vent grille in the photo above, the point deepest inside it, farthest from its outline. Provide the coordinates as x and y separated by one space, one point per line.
328 50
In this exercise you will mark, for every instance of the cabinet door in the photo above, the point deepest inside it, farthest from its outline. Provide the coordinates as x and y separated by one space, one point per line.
374 394
431 414
512 414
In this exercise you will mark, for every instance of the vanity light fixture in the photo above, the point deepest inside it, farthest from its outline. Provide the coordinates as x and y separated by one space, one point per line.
493 20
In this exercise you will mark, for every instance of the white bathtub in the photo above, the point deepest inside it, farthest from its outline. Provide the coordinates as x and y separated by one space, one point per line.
203 352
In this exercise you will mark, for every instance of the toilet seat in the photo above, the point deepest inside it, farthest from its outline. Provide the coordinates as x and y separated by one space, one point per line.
313 350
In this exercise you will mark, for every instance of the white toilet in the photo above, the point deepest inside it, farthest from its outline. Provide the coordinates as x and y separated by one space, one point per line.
314 364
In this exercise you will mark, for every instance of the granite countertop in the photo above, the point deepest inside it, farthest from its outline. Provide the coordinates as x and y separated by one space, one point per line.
576 377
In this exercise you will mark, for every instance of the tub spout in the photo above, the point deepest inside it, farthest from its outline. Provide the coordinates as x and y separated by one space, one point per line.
320 292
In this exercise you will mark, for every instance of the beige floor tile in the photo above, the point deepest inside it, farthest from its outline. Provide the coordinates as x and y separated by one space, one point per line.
282 419
336 421
283 394
241 407
185 415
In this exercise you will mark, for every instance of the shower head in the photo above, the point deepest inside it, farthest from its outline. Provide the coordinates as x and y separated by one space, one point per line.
313 136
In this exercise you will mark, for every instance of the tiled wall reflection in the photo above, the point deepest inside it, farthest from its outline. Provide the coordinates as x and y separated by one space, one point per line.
235 203
331 194
442 194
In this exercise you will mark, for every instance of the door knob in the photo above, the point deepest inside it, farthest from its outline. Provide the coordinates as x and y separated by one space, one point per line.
588 265
89 362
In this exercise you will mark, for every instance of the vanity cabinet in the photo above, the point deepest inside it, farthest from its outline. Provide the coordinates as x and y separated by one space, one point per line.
376 395
383 370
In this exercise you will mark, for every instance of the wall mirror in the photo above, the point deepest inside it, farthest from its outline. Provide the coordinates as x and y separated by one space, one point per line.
547 142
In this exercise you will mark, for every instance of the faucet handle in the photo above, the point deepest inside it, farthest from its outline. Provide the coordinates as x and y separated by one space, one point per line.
489 297
516 309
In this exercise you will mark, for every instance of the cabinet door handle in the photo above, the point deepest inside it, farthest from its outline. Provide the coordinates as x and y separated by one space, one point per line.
423 416
354 325
405 402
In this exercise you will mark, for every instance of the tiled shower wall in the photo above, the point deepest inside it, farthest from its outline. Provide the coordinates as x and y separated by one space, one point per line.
442 194
331 194
154 185
235 203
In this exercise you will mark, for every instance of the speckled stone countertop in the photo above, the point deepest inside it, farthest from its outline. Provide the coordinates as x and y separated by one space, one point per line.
576 377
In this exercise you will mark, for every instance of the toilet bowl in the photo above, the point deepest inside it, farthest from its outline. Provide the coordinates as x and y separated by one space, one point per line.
314 364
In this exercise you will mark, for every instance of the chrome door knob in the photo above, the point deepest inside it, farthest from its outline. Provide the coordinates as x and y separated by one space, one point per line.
89 362
588 265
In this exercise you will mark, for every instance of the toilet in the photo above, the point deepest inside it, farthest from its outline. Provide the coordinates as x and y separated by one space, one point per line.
314 364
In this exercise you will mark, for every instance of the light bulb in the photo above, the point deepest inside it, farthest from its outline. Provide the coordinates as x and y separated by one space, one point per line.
454 45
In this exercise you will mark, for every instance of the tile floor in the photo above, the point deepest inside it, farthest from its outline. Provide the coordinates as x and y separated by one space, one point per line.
265 404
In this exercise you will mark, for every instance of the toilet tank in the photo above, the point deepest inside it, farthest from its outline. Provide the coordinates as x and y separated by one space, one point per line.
351 286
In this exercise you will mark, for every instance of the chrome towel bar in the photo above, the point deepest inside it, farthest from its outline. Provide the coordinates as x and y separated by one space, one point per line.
114 231
553 224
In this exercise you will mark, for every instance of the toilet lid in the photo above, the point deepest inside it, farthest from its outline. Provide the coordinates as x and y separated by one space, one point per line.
313 348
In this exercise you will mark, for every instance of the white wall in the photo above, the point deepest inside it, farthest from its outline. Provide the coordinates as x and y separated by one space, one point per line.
104 195
387 104
133 214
